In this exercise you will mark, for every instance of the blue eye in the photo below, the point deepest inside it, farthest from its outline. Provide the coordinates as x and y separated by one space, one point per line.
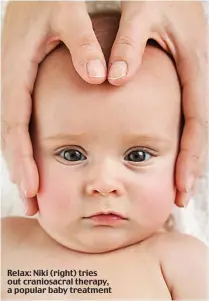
137 156
72 155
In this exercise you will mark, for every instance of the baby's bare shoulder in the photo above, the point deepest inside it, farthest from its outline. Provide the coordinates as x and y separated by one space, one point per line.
182 257
175 241
16 229
176 245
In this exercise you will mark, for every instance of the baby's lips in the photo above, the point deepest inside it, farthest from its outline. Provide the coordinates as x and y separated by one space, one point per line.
107 213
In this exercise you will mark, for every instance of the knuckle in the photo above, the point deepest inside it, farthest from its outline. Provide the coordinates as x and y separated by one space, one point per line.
85 48
87 42
5 130
125 40
194 156
9 131
199 122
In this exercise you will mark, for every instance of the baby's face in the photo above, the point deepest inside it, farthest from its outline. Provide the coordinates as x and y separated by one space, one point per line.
105 154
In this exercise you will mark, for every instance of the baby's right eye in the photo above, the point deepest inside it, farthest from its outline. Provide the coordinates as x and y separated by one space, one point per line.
72 155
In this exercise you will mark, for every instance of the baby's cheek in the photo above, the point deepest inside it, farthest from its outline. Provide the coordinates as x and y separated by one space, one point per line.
163 199
158 195
55 195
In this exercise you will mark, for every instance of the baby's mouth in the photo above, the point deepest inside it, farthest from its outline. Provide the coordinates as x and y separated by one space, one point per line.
106 218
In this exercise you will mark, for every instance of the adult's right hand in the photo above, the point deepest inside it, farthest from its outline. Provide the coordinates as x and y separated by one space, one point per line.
30 31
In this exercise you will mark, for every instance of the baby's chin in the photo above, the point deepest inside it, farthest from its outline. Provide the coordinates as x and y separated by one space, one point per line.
95 241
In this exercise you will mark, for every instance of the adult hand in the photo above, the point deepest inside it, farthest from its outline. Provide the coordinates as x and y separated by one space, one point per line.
181 29
32 29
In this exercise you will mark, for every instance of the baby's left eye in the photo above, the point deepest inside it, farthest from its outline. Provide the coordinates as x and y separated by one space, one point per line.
137 156
72 155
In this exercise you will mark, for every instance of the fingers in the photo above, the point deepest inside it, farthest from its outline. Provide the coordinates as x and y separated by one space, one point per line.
73 25
193 147
20 57
190 162
23 171
130 42
16 143
30 205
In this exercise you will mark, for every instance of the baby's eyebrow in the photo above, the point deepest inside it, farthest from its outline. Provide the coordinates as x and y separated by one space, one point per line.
149 139
64 137
128 137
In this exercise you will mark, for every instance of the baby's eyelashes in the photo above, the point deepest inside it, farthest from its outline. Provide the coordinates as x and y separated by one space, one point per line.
72 155
137 156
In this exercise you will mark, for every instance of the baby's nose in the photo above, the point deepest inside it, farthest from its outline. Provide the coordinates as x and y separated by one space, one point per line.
104 190
104 181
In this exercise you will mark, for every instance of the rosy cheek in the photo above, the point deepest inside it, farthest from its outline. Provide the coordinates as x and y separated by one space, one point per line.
156 199
55 192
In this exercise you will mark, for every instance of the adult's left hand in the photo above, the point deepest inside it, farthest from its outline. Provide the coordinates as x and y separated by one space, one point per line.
180 28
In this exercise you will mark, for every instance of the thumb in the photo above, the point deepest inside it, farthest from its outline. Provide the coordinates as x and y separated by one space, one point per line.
74 27
129 45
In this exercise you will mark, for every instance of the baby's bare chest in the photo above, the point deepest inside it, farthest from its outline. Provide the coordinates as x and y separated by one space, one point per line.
62 275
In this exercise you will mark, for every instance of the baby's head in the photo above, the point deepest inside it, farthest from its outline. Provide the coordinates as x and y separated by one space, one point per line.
102 150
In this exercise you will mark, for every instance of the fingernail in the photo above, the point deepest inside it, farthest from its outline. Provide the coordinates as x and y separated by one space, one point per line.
118 70
189 184
95 68
24 204
23 189
23 199
25 211
186 199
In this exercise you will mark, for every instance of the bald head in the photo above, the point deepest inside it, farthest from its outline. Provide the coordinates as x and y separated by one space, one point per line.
60 93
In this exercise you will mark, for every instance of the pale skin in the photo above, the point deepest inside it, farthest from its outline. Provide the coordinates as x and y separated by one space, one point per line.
32 29
159 267
67 115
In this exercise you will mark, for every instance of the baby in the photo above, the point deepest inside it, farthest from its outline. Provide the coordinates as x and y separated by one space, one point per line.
106 159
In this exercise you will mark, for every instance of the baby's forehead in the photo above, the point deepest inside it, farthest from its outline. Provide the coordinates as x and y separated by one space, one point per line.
149 103
57 79
59 86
